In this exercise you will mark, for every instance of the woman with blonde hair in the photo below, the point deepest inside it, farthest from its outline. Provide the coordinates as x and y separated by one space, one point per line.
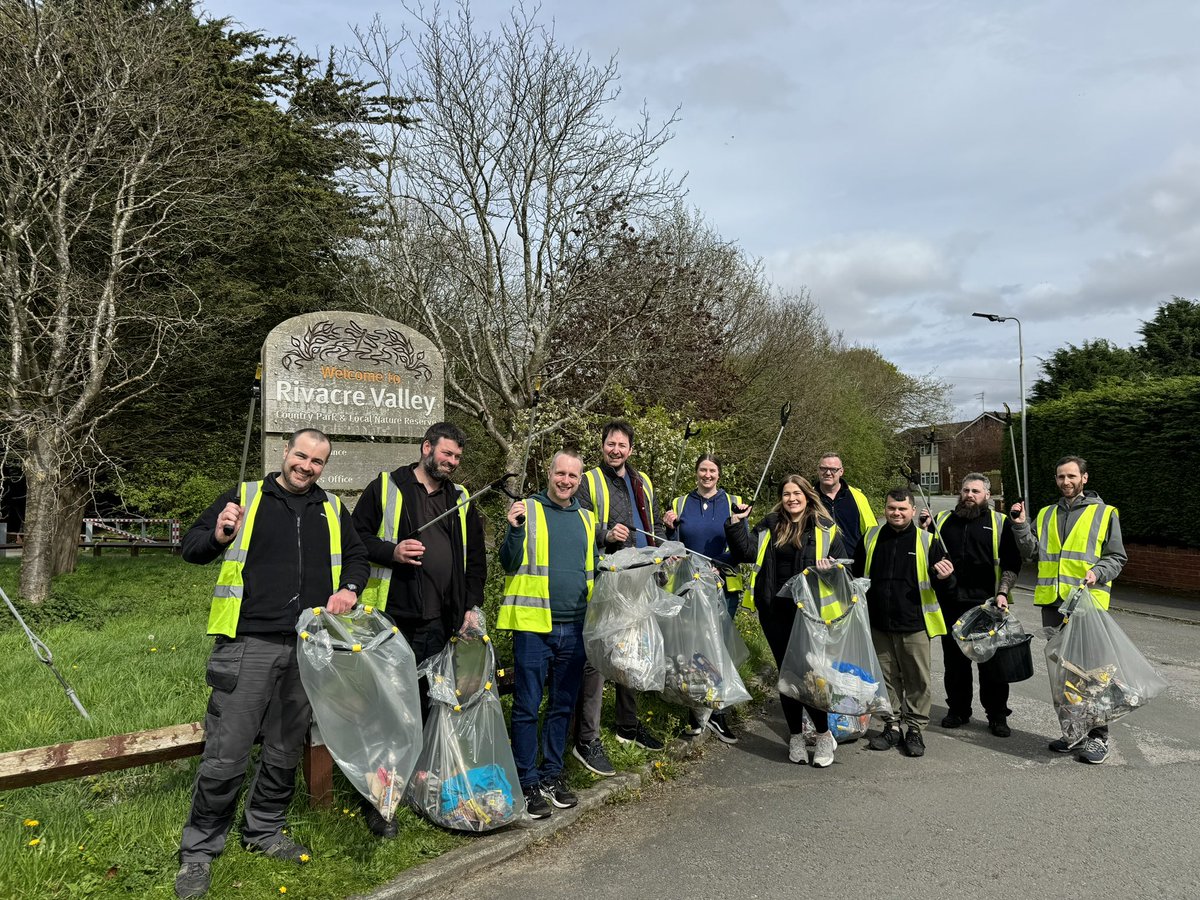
796 534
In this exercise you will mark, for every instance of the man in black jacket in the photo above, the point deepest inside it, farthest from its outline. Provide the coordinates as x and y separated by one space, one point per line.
427 583
281 556
909 574
986 560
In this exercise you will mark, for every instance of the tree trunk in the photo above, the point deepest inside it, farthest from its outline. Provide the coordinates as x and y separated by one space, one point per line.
53 509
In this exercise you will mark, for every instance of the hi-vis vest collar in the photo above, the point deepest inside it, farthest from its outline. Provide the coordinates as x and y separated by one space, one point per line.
596 483
380 579
997 525
230 590
526 603
1063 565
823 535
935 624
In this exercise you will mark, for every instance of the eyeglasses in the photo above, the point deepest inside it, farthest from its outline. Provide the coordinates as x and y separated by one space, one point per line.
828 470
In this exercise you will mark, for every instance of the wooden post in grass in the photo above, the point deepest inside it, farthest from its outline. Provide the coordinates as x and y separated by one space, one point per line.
318 774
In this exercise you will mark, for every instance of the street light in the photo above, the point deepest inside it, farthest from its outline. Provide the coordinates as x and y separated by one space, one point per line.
992 317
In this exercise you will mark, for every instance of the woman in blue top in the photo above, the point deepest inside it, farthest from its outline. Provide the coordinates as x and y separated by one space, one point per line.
697 520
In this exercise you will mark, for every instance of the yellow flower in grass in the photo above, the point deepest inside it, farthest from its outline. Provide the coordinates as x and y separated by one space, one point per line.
304 857
283 889
35 842
32 823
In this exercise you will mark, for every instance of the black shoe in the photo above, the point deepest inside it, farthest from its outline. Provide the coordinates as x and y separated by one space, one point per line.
954 720
594 758
536 803
641 737
192 879
379 826
718 723
999 727
914 744
1061 745
281 847
695 724
886 739
557 792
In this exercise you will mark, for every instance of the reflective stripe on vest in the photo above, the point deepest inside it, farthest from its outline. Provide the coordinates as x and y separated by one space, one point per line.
824 538
1064 566
935 624
997 526
227 595
379 581
526 603
733 580
597 488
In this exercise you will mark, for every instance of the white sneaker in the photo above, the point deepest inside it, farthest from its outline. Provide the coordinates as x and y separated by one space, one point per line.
797 749
823 754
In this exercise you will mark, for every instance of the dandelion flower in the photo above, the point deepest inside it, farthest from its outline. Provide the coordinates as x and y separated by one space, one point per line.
304 857
32 823
283 889
35 842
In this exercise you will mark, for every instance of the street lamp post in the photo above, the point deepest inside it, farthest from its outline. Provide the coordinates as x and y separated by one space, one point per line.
992 317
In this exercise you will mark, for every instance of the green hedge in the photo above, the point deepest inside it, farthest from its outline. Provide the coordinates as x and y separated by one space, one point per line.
1140 441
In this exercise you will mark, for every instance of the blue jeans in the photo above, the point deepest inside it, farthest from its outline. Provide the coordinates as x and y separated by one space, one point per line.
733 602
555 660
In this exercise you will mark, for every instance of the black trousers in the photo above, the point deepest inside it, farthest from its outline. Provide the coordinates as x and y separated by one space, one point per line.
993 690
427 637
777 622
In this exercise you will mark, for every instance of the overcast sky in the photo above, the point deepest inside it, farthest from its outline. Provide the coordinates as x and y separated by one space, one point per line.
912 162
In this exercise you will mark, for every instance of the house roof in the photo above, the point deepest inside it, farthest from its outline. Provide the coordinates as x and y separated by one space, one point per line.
948 431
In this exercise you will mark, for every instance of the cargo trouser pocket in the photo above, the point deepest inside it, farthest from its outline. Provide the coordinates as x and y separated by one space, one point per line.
224 666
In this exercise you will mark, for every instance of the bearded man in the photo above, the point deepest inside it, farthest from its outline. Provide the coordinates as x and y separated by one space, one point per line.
983 548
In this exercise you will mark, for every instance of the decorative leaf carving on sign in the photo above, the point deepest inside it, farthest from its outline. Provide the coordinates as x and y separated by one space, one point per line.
325 341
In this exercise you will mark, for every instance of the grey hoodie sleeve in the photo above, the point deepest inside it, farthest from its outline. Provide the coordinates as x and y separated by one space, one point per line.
1026 540
1112 555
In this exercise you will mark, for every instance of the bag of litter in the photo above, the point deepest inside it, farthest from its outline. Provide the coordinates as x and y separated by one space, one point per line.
830 661
465 777
984 629
361 679
621 631
1096 673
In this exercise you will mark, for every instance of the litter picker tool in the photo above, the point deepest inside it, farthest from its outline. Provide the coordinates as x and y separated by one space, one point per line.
690 552
1008 420
255 390
916 482
784 412
44 654
498 484
537 395
688 434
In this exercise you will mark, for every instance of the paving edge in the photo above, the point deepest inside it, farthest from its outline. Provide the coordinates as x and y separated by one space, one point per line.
486 850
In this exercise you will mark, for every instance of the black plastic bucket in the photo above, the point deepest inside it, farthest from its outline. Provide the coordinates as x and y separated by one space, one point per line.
1015 662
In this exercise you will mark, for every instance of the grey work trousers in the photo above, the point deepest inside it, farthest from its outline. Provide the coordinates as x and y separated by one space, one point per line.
905 660
256 690
591 700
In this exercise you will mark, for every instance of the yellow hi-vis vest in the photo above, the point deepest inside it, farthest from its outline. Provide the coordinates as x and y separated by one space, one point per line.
1063 566
866 518
379 581
824 537
935 624
526 603
597 488
227 595
997 525
733 581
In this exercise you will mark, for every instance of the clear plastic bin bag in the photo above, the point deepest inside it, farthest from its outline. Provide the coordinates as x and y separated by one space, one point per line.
621 631
1096 673
844 728
361 679
700 672
984 629
831 665
465 778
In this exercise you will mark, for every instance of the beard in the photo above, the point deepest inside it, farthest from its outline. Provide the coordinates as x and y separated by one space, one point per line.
432 470
968 510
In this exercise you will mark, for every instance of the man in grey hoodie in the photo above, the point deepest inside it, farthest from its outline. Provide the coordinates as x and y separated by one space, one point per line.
1076 541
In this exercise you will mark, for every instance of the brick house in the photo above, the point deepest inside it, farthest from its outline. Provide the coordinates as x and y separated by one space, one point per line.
943 454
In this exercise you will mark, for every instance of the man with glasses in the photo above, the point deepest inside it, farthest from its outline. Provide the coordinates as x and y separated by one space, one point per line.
848 505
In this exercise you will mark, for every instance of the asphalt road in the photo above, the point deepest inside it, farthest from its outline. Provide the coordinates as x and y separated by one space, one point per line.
977 817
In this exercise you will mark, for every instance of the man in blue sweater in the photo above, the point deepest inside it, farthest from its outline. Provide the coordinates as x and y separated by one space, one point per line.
549 557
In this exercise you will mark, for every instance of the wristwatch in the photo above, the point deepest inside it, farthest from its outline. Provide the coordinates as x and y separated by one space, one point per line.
351 586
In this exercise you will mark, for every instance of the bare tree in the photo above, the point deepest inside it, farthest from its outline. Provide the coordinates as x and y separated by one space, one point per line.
503 212
109 174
